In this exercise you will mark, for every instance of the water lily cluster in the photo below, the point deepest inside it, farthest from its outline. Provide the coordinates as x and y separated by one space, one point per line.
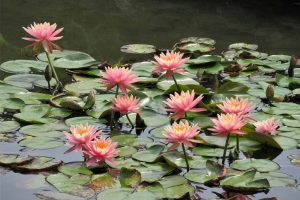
192 116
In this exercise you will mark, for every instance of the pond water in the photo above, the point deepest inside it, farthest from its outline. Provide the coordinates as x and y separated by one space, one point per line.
100 28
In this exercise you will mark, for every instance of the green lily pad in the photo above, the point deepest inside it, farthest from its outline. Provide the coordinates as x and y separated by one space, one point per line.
83 87
138 48
10 89
126 151
40 142
245 181
164 84
276 179
28 81
104 181
56 195
125 194
209 151
129 177
120 162
74 168
14 159
204 59
8 126
83 120
39 163
56 54
261 165
73 185
243 46
31 97
74 61
191 47
46 130
150 154
22 66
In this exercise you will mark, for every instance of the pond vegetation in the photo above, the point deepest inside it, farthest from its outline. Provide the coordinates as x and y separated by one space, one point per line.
213 121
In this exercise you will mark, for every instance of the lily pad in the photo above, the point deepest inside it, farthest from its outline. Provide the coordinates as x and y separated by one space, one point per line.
39 163
150 154
74 168
276 179
27 81
261 165
46 130
56 195
8 126
74 61
40 142
22 66
14 159
129 177
138 48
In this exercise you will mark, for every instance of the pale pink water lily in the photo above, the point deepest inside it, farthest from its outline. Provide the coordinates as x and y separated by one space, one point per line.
228 123
101 150
237 106
180 133
180 104
267 126
44 34
169 63
80 135
125 104
118 76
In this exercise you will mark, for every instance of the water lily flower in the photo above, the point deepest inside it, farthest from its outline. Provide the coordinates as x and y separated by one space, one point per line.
44 34
239 107
125 104
180 104
80 135
101 150
118 76
267 126
180 133
228 123
169 63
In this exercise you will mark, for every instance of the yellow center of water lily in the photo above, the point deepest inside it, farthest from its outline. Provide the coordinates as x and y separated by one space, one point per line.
101 146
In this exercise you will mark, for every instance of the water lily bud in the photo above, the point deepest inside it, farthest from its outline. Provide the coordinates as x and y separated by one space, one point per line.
293 64
270 92
48 73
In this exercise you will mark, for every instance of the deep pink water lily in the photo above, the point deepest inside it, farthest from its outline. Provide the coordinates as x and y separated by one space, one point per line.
125 104
180 104
118 76
267 126
169 63
228 123
180 133
237 106
101 150
44 34
80 135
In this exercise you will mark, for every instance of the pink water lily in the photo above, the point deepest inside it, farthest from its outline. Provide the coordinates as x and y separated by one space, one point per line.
101 150
267 126
118 76
180 104
229 123
180 133
237 106
125 104
80 135
169 63
44 34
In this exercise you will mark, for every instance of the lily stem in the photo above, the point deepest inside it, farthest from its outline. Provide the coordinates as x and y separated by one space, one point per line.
225 149
237 142
178 88
185 157
53 70
132 125
112 116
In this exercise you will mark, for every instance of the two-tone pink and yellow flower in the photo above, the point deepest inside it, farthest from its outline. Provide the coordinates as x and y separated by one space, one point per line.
169 63
180 104
101 150
228 123
118 76
44 34
80 135
179 133
125 104
237 106
267 126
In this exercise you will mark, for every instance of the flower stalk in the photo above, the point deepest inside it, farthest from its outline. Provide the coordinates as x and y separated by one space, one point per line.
185 157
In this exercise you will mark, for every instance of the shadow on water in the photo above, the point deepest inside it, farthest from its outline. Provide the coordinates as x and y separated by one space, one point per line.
100 28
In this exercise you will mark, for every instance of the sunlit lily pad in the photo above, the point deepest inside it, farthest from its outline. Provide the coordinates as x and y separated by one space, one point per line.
8 126
164 84
74 61
199 40
138 48
83 120
28 81
39 163
56 54
245 181
193 47
126 151
120 162
14 159
22 66
150 154
73 185
276 179
40 142
74 168
46 130
261 165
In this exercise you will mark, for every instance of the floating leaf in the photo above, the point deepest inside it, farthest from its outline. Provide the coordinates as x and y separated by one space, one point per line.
8 126
276 179
261 165
129 177
138 48
22 66
150 154
56 195
46 130
40 142
14 159
39 163
28 81
74 168
74 61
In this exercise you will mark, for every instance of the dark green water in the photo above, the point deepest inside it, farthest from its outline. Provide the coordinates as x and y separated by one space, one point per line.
100 28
